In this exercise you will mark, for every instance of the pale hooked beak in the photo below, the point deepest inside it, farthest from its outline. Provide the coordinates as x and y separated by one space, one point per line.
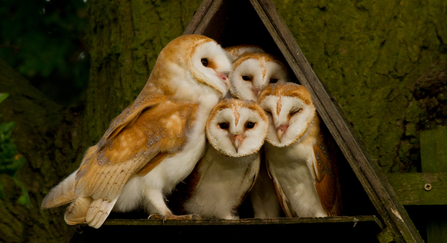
281 130
224 78
256 91
237 140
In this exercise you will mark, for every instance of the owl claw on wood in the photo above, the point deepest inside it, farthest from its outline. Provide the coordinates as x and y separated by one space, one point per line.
175 217
155 142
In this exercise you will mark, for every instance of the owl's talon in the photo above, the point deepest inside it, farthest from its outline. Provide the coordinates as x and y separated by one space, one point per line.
155 216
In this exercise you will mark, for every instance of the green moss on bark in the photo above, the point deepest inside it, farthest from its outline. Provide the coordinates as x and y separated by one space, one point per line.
125 39
369 54
44 135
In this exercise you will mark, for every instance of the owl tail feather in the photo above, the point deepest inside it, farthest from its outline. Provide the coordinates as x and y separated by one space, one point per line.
98 211
76 212
62 194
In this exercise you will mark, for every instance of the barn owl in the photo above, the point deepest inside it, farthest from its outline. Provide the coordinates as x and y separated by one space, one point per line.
236 131
252 72
155 142
299 153
233 52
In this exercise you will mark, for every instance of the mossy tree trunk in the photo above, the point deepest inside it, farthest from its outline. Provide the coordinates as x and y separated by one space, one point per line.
374 57
125 38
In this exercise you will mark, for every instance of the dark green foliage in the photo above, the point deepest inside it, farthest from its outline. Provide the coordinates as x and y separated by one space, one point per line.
10 160
44 41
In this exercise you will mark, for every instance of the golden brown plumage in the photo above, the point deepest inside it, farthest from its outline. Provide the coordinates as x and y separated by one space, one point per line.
155 142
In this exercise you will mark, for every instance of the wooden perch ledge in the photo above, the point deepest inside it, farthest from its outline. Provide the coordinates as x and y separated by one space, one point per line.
348 220
330 229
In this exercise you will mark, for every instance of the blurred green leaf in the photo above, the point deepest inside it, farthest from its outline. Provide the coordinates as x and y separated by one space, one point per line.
24 198
10 160
3 96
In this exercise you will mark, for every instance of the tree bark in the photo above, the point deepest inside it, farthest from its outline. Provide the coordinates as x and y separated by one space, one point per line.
49 138
373 56
125 38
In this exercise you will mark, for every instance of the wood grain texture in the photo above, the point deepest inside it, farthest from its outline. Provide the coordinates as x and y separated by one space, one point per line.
410 188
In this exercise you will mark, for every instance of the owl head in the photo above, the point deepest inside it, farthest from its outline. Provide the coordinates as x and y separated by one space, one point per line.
290 112
233 52
237 128
190 65
252 72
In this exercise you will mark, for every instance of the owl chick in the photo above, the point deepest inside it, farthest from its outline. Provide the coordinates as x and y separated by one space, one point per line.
252 72
299 153
233 52
236 131
155 142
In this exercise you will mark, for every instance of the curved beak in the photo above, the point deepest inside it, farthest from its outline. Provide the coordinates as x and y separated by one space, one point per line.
256 91
224 78
281 130
237 141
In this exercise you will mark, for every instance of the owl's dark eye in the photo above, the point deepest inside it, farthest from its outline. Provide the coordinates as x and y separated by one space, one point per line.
204 62
268 112
296 111
246 78
273 80
249 125
224 125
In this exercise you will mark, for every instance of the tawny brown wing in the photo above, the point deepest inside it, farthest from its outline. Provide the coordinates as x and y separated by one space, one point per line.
137 140
326 174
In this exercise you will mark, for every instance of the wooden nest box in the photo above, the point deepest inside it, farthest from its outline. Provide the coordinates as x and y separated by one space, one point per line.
372 212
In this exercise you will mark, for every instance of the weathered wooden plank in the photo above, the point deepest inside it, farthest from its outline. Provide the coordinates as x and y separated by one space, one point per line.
379 191
202 17
420 188
251 221
335 229
434 159
434 150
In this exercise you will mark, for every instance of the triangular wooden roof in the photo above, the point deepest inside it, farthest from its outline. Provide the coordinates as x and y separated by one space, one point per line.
257 22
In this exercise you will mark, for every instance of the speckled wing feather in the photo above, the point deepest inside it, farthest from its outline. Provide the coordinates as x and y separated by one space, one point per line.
150 127
326 181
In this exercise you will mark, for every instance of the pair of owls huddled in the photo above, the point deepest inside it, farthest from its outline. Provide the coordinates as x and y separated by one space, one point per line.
184 125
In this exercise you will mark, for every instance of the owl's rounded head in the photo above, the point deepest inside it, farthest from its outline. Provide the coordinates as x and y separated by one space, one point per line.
252 72
233 52
188 63
290 112
237 128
